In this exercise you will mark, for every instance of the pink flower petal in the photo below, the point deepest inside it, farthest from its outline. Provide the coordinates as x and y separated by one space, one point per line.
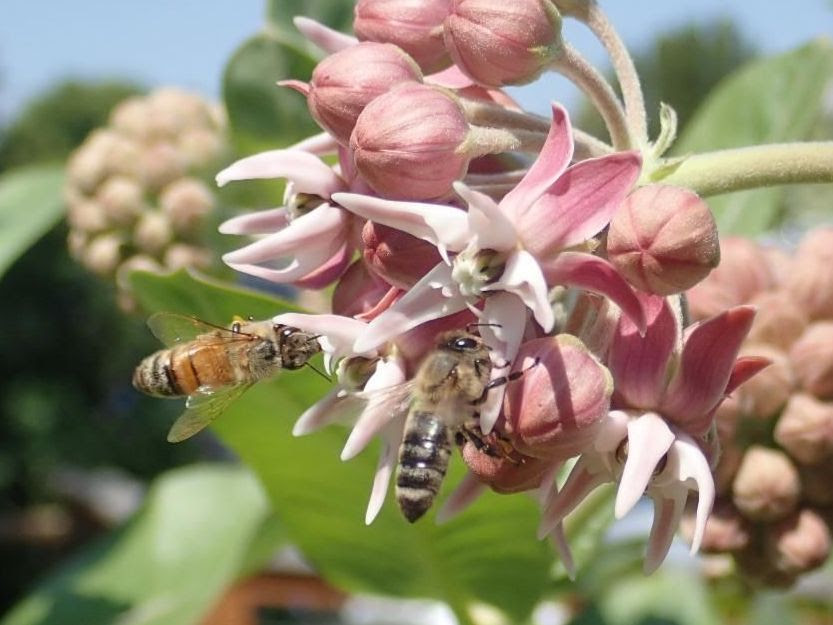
330 271
327 39
522 276
489 226
326 410
580 204
639 364
649 439
379 411
260 222
298 85
391 296
581 482
307 172
745 367
323 227
591 273
321 144
550 164
667 513
559 542
451 77
425 301
388 457
508 314
467 491
693 470
706 364
435 223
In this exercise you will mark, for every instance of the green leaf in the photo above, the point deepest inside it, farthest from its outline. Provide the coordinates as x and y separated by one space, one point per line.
489 554
168 564
190 294
261 114
772 100
30 204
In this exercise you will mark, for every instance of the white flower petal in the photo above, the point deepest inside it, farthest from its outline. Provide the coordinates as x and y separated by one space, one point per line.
306 171
523 277
694 471
667 513
260 222
489 226
384 469
585 476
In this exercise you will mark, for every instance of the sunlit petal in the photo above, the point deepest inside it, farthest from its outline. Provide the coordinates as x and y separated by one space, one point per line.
327 39
259 222
489 226
522 276
307 172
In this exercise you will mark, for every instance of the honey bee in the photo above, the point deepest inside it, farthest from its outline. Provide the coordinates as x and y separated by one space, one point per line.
450 384
212 365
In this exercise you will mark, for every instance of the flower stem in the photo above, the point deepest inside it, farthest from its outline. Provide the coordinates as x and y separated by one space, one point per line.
724 171
622 62
483 114
575 67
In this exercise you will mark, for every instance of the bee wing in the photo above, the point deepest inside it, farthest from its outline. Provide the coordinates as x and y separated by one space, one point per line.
173 328
202 407
396 398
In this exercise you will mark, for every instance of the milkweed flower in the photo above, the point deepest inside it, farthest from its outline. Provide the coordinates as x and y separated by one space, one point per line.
508 254
668 385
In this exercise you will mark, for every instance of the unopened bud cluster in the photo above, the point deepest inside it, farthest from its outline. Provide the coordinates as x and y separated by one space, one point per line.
135 192
776 431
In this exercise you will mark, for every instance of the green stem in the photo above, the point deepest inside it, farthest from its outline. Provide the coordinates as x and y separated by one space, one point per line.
725 171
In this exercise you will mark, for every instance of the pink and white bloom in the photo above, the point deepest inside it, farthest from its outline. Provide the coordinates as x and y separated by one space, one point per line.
311 233
668 387
506 255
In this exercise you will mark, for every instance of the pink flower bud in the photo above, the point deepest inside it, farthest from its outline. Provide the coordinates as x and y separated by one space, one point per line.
344 83
416 27
186 202
86 214
766 487
663 239
397 257
812 359
779 321
153 232
358 291
121 199
500 43
799 543
762 396
411 142
182 255
805 429
726 530
513 473
553 411
744 271
103 254
811 282
160 164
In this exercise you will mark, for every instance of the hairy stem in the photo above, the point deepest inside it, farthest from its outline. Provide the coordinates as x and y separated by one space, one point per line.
575 67
724 171
484 114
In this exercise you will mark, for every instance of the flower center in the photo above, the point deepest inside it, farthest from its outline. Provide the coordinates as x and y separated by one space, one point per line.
299 204
473 268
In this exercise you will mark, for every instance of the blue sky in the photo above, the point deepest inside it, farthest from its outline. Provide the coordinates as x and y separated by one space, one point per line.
186 42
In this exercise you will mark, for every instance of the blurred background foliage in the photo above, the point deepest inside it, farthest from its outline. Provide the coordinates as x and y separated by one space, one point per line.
78 446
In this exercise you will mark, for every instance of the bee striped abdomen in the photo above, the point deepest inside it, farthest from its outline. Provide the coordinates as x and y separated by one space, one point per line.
423 461
156 376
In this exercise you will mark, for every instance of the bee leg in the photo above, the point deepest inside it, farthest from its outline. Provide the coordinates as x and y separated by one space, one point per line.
504 379
471 433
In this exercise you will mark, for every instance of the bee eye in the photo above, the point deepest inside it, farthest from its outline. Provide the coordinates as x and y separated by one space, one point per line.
287 332
465 343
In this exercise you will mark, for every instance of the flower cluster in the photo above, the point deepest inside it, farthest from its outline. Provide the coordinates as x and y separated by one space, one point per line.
450 208
135 194
774 498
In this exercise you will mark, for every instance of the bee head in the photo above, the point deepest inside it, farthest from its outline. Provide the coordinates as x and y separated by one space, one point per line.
296 347
461 341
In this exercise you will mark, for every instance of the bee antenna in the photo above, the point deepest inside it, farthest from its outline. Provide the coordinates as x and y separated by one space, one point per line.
321 373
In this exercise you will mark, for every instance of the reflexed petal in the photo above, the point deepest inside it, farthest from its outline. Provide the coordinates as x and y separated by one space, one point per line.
649 438
522 276
667 513
425 301
327 39
489 226
613 431
301 265
388 456
307 172
320 144
260 222
706 365
580 204
745 367
639 364
467 491
330 271
323 412
508 314
585 477
436 223
550 164
321 227
381 407
562 547
591 273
